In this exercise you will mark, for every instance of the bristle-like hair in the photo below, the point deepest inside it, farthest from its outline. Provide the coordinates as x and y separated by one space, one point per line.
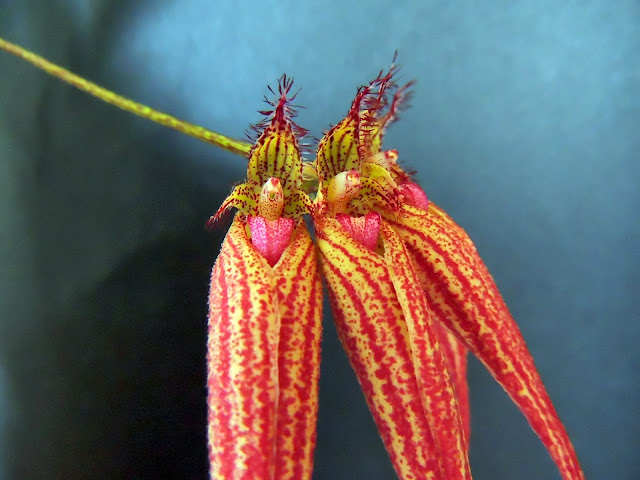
385 104
365 99
220 218
374 102
282 110
382 84
382 111
400 102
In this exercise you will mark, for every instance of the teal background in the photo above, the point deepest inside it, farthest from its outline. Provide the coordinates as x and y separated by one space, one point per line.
524 126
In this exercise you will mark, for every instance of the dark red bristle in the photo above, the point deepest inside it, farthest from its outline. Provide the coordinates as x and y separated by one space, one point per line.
220 219
282 110
400 101
361 98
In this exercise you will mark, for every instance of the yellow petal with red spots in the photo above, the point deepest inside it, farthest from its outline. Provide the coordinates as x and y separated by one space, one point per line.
263 358
455 355
465 298
382 319
436 387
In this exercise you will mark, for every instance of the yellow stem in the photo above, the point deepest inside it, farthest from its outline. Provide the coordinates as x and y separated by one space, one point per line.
238 147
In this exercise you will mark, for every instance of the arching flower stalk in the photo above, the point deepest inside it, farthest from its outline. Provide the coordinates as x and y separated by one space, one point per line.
409 293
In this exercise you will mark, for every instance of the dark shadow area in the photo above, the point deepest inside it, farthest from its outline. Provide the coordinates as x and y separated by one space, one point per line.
122 393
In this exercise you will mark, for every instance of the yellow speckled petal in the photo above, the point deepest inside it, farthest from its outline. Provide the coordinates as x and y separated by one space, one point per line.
398 363
300 300
432 373
455 355
465 298
263 359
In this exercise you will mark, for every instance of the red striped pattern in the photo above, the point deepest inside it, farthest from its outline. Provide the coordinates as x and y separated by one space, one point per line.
276 154
263 360
299 291
375 302
455 356
338 149
464 296
436 387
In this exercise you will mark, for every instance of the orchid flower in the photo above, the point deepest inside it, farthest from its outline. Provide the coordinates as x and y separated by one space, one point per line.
409 293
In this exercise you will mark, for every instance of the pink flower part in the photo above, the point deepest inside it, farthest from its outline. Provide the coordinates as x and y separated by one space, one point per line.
270 237
414 195
364 230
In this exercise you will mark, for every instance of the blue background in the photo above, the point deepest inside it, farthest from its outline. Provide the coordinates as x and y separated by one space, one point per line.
524 127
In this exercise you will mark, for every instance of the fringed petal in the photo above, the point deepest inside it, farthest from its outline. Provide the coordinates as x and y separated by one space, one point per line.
397 360
263 359
466 299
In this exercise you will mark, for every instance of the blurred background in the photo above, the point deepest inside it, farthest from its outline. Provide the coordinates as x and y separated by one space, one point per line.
524 126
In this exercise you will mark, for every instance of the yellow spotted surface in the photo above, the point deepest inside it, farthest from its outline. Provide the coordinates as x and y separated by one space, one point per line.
432 373
455 355
371 317
464 296
263 359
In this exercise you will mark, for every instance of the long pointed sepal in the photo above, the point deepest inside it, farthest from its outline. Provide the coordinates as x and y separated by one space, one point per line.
263 358
376 302
455 356
464 296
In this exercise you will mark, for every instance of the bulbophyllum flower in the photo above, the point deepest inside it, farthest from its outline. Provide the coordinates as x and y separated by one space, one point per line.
265 312
410 297
409 293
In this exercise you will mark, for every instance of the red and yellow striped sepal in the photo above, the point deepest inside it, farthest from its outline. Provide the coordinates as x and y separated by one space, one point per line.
263 359
383 321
